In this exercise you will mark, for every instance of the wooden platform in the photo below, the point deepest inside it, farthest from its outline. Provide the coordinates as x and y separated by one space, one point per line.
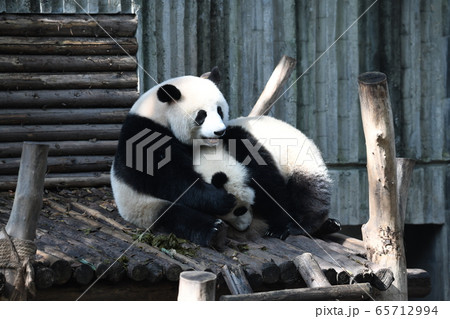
80 234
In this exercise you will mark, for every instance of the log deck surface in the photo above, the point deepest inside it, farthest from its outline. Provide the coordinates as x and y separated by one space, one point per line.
80 234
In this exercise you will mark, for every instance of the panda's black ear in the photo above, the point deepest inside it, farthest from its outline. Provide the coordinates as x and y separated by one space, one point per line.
213 75
168 93
219 179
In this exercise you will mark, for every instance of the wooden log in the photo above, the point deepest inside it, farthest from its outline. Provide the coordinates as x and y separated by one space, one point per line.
85 179
98 215
63 116
63 63
28 197
419 283
67 46
236 281
62 270
197 286
63 164
310 271
61 148
137 271
83 274
44 277
343 292
349 242
156 272
123 25
274 86
13 133
69 98
383 233
55 81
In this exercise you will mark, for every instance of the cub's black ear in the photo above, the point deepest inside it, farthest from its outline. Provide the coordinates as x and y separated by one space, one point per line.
219 179
168 93
214 75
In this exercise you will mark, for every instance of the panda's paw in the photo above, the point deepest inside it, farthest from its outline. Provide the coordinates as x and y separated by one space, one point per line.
218 235
278 233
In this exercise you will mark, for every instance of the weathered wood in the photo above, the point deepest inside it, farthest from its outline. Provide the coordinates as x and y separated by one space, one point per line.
60 148
63 116
123 25
197 286
343 292
12 133
236 281
404 174
349 242
28 197
85 179
156 272
83 274
274 86
419 283
62 63
310 271
69 98
67 46
62 270
63 164
383 233
137 272
44 277
98 215
41 81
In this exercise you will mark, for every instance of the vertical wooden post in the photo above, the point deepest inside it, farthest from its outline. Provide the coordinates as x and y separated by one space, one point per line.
21 227
383 233
197 286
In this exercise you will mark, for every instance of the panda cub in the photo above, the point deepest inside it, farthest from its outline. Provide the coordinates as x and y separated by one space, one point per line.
277 171
151 189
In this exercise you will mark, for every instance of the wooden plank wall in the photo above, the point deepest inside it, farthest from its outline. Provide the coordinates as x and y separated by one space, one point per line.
64 82
406 39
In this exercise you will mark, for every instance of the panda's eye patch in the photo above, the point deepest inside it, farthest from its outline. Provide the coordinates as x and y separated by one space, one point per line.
200 118
219 110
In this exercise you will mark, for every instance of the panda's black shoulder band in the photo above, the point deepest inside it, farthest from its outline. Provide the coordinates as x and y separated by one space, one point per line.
168 93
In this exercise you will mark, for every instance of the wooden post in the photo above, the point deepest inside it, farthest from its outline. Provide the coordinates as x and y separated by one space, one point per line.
383 233
30 186
274 86
21 226
310 271
197 286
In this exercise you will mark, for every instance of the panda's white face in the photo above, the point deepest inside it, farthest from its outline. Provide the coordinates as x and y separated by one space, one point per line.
191 107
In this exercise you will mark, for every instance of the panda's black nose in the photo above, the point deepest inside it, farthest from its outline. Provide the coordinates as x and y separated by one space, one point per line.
220 133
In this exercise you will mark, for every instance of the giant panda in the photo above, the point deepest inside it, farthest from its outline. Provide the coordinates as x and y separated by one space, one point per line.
174 198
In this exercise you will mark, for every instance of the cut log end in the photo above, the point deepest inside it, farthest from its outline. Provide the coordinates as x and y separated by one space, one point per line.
371 78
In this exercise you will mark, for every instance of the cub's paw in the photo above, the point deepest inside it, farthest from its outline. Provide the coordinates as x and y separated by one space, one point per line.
218 235
281 233
226 204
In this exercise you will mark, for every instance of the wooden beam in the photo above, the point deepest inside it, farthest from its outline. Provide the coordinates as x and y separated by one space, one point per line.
342 292
123 25
274 86
67 46
310 271
87 98
383 233
62 63
197 286
57 81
